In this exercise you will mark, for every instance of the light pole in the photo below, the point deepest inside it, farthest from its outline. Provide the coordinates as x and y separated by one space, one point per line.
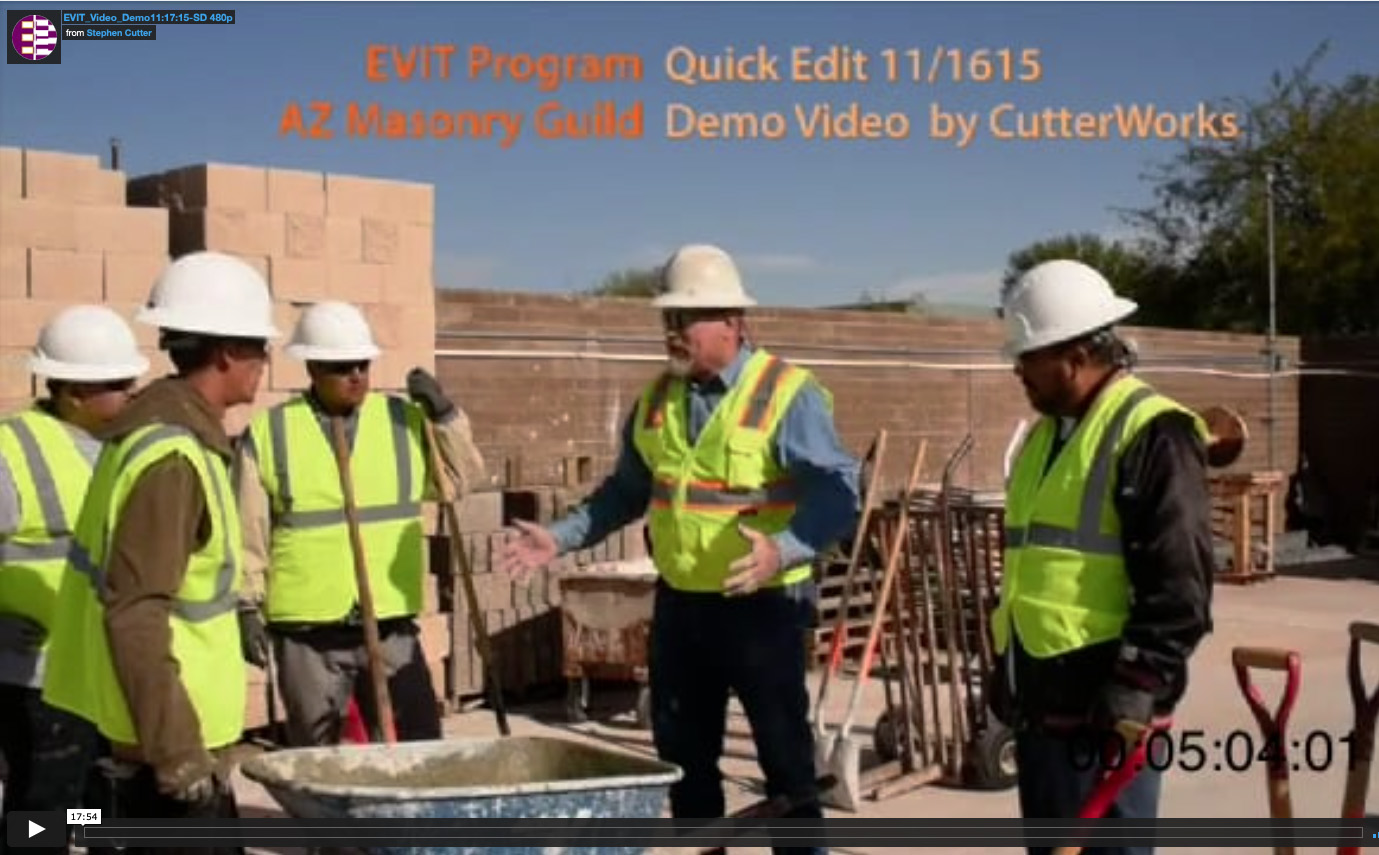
1273 308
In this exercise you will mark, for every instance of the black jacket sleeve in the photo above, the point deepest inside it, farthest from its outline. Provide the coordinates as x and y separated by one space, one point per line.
1164 503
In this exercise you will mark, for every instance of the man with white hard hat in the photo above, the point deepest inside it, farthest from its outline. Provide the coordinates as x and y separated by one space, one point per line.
146 643
733 453
298 542
90 362
1108 562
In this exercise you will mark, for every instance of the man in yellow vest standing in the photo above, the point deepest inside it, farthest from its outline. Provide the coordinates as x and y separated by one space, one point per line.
733 455
90 361
1107 581
298 541
145 642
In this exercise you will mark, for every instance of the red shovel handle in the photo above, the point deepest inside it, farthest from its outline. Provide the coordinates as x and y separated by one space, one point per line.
1272 726
1117 778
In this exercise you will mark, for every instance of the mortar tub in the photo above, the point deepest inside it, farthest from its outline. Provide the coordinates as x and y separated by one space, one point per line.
516 777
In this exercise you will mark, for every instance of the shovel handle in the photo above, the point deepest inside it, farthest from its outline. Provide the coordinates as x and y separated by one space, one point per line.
1116 779
1269 659
1362 737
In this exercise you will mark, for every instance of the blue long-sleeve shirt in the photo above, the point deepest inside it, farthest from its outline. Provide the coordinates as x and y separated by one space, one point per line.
806 445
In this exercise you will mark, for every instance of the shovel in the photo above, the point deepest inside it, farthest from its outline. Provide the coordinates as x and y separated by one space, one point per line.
1362 737
1274 727
383 728
844 756
823 746
1117 777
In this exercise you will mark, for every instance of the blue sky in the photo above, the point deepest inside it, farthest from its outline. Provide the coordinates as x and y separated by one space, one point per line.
812 222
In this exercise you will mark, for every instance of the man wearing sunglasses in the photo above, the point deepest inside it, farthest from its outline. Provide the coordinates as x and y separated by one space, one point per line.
90 362
145 644
733 455
297 539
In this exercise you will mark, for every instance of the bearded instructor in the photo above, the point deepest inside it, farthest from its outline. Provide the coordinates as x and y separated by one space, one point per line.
733 457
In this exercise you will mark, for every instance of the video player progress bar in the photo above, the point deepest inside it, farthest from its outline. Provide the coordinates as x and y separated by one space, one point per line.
914 833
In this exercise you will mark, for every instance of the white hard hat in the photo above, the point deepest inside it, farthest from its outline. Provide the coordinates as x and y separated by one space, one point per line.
699 276
331 331
1058 301
89 344
212 294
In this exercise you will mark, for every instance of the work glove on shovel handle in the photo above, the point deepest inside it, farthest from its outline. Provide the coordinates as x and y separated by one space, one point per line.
426 391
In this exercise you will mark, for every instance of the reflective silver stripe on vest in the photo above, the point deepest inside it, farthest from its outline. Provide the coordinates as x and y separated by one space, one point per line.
20 553
54 520
765 390
224 599
699 495
1087 537
403 509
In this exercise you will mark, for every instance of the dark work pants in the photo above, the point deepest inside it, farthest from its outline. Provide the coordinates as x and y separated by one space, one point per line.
703 645
137 797
49 754
1057 774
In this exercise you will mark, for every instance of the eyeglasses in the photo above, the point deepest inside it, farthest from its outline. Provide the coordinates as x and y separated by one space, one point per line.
679 320
88 390
344 369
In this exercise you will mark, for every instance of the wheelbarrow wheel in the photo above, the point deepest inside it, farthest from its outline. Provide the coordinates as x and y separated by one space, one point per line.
992 759
644 707
885 740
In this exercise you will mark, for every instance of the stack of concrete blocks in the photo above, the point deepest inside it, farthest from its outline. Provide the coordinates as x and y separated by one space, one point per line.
314 236
66 237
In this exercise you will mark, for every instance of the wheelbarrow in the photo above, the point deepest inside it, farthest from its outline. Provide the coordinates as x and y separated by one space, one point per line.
515 777
606 612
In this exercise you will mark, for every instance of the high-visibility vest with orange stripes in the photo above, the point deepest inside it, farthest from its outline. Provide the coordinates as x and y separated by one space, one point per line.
50 474
701 491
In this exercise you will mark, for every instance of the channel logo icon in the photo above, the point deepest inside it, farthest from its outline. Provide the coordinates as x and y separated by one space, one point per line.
34 37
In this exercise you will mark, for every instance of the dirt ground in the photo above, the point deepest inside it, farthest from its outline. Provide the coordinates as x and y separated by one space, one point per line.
1306 614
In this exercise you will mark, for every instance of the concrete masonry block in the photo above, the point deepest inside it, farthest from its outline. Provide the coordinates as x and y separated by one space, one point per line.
15 380
129 278
61 177
14 273
37 223
231 230
261 263
11 172
293 191
224 185
399 201
286 374
66 276
105 228
23 320
385 319
344 239
305 236
380 241
144 335
355 283
296 279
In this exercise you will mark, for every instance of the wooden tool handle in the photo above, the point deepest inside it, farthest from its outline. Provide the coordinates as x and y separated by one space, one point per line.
1367 632
378 676
1268 658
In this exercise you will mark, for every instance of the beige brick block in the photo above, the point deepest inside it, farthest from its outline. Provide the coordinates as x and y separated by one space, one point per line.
66 276
24 319
407 286
159 365
144 335
417 251
140 231
129 278
380 241
306 236
230 230
105 187
355 283
398 201
14 273
292 191
224 185
15 380
287 374
38 224
261 263
11 172
14 405
60 177
344 239
296 279
385 319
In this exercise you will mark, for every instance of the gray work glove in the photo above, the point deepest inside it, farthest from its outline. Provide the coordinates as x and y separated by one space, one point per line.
253 635
18 634
426 391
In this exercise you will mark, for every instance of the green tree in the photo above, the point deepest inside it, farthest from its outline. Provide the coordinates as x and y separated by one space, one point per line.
629 282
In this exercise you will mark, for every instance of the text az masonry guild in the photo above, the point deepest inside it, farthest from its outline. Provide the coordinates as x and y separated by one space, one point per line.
893 74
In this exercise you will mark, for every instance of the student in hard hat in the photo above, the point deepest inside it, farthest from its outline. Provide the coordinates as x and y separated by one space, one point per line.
297 539
146 643
90 362
1106 591
734 454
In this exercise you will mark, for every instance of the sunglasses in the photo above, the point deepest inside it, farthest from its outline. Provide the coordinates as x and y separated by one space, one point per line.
344 369
679 320
88 390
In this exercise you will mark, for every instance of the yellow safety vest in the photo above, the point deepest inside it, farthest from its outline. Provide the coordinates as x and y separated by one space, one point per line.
50 474
1064 585
311 564
81 676
701 492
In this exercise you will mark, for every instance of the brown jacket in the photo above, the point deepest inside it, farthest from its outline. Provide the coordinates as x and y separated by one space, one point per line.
165 519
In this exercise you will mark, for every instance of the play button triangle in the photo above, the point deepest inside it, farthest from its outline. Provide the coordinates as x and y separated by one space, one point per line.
35 828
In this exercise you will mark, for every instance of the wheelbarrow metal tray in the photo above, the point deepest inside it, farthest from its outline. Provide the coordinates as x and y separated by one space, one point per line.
517 777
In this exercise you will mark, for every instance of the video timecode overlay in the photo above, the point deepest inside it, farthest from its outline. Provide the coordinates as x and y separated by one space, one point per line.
1236 751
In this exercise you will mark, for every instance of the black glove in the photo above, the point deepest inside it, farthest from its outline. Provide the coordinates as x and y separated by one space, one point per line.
423 388
253 636
19 634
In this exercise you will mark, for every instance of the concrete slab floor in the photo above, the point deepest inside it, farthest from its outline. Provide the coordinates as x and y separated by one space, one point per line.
1306 615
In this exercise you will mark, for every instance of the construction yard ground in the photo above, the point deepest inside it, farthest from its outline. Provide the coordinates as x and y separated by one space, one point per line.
1309 614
